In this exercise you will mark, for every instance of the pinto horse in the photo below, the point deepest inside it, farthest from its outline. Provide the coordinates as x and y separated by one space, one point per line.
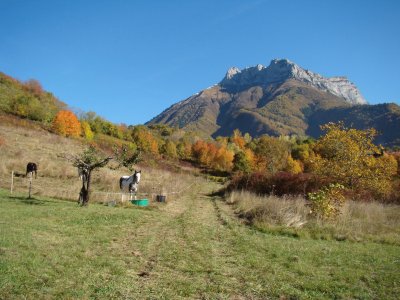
132 182
30 168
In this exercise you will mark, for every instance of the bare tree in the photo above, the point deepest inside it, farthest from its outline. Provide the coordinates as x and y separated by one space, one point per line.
86 162
127 157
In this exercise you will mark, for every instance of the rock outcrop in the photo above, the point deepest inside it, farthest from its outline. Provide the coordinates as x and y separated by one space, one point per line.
281 70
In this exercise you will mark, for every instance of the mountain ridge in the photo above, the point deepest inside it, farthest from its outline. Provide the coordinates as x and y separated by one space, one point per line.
280 70
281 99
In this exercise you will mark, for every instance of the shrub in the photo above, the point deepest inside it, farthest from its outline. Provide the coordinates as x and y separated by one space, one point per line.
282 183
326 203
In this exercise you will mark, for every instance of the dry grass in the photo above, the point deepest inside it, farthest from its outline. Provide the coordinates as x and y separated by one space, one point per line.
285 211
58 178
287 215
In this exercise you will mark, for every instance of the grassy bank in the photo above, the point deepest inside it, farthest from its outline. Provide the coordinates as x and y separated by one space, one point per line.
358 221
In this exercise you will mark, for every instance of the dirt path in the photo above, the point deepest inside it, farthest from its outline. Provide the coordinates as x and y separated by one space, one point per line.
186 248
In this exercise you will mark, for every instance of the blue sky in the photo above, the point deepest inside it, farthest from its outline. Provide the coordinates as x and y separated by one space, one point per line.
130 60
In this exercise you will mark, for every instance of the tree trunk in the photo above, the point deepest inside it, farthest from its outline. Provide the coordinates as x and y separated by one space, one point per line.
86 190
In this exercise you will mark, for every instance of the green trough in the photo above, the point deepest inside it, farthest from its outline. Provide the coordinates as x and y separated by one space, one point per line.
140 202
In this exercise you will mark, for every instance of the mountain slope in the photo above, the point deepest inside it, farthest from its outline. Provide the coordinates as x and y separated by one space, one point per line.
385 118
279 99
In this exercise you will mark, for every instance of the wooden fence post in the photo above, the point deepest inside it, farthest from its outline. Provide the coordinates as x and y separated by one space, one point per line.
12 181
30 184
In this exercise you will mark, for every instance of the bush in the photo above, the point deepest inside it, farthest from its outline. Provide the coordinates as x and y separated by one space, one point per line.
282 183
327 202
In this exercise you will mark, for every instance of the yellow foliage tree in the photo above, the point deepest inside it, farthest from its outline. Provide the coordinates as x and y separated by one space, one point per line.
348 156
87 131
223 159
67 124
184 150
293 166
169 149
238 139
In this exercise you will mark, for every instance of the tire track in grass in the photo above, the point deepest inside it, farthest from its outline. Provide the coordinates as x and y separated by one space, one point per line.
162 230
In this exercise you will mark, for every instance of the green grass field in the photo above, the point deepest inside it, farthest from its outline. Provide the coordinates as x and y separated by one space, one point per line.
191 247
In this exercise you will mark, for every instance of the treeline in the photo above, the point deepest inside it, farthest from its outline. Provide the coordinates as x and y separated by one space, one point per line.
342 157
227 155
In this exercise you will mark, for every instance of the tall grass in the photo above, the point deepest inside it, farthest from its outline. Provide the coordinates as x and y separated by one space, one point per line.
284 211
290 215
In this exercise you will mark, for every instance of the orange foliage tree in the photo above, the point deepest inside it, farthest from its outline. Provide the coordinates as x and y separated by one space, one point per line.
209 155
66 123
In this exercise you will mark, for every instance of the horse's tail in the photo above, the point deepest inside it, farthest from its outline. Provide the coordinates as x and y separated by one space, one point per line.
120 183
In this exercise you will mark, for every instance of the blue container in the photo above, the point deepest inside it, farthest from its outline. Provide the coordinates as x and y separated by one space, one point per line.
140 202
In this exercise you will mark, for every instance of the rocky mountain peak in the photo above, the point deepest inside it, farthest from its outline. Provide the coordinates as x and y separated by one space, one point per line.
280 70
232 72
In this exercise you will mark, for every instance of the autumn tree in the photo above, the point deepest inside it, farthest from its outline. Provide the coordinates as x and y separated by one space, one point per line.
184 150
270 154
199 151
244 161
293 166
169 149
87 131
223 159
145 140
66 123
348 156
238 139
34 86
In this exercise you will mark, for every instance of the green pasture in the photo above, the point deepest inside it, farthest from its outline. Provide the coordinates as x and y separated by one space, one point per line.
191 247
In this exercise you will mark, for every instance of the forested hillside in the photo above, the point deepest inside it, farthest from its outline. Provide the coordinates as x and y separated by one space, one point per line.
28 99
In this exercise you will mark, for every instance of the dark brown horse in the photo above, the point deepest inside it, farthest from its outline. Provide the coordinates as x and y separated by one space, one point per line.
30 168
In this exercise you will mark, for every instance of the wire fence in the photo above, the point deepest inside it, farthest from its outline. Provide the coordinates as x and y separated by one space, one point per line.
19 183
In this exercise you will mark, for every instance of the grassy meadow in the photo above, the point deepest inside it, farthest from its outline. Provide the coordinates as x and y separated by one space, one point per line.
191 247
195 246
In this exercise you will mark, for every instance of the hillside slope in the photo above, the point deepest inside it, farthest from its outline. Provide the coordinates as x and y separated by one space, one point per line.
27 99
